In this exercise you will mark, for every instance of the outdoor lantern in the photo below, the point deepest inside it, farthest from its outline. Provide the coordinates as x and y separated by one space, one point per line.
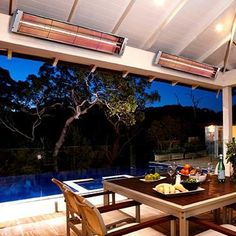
64 32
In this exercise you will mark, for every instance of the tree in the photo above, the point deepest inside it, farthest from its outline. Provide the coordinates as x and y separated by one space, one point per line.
74 90
168 131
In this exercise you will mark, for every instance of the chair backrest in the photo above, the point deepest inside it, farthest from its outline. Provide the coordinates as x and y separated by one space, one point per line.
59 184
70 204
91 217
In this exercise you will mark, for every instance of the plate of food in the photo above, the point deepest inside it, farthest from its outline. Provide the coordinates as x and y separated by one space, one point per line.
170 190
150 179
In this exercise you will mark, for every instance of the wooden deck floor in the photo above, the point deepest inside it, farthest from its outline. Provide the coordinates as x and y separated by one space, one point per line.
54 225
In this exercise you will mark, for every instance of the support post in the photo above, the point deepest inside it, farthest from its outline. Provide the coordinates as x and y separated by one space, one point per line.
227 122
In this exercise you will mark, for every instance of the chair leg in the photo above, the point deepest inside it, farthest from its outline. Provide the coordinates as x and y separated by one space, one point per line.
225 215
173 227
137 213
216 214
230 215
67 222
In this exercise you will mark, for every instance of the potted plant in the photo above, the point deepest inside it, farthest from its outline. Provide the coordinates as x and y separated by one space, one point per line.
231 157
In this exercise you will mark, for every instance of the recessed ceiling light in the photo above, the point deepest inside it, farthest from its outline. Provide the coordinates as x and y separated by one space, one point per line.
219 27
159 2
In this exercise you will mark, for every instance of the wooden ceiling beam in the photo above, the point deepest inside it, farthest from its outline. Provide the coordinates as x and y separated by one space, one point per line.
152 38
12 7
123 16
227 53
73 10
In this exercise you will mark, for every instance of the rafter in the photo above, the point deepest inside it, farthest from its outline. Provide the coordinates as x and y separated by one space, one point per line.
122 18
12 7
93 68
218 93
73 9
9 54
214 48
124 74
227 53
195 86
174 83
197 31
151 79
150 41
55 61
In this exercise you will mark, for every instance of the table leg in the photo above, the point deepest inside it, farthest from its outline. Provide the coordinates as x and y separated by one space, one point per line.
183 225
173 227
106 199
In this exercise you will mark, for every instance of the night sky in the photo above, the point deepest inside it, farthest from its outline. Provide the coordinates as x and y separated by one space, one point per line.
20 68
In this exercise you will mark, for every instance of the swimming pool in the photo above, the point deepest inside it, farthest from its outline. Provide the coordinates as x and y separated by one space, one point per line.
23 187
14 188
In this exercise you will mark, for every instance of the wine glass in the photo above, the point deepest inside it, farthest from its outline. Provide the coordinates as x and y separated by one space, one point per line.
171 170
210 171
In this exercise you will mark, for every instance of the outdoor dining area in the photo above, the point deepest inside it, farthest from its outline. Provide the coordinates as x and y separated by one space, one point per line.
133 206
178 42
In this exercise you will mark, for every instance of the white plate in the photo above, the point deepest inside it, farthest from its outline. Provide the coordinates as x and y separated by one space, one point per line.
199 189
149 181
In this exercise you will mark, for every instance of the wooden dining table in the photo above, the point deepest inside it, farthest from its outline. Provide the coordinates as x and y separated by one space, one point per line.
213 196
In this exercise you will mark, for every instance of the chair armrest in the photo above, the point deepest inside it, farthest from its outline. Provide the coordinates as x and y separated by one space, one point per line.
211 225
96 194
117 206
142 225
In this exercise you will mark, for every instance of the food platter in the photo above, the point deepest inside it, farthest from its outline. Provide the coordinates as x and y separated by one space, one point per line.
199 189
153 180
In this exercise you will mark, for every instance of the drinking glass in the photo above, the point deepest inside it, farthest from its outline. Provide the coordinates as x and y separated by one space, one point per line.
171 170
210 171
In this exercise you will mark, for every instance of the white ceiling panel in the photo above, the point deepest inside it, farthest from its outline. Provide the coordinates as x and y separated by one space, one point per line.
144 18
194 18
210 36
232 58
99 14
57 9
217 58
4 6
180 27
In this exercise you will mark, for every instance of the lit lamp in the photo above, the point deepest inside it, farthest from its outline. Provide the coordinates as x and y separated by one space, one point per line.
211 128
185 65
63 32
211 131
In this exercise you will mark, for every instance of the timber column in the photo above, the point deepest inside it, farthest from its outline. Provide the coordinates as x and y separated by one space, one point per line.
227 122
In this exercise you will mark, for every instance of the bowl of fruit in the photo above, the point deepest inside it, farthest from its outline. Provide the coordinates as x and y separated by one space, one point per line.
191 184
185 170
197 174
151 177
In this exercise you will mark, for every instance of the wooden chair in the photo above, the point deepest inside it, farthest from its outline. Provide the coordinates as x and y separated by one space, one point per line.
228 213
214 229
73 215
93 223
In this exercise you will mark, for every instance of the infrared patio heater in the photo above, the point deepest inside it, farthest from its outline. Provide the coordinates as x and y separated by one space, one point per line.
185 65
64 32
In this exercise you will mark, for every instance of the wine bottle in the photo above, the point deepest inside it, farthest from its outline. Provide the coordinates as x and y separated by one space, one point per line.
221 170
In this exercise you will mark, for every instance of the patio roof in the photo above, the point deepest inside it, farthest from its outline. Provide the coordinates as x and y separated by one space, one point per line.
180 27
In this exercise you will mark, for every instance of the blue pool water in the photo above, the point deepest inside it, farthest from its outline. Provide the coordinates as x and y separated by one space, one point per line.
14 188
